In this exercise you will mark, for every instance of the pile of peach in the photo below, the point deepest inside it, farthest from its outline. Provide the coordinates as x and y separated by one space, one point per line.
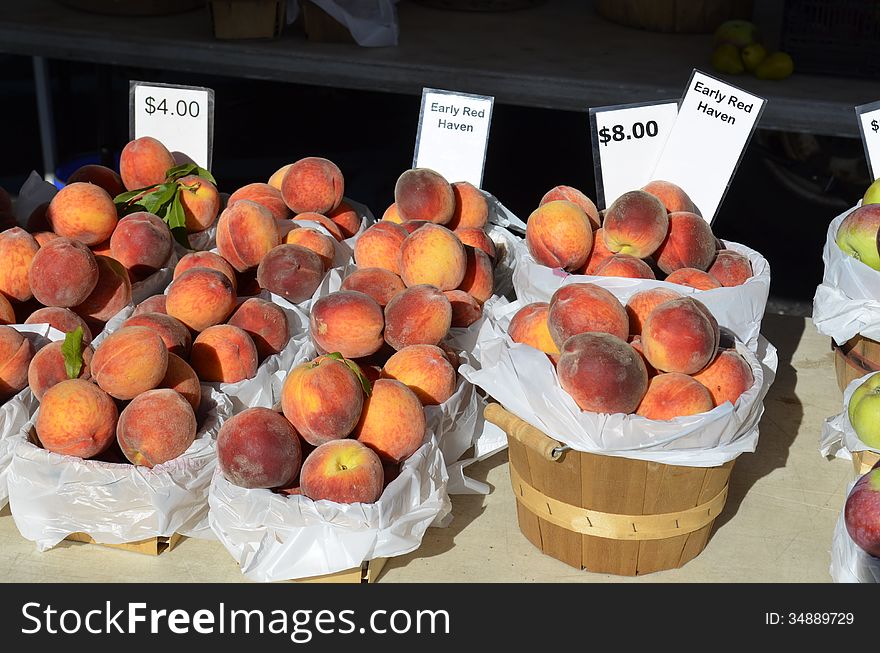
131 391
652 233
410 247
266 250
343 431
659 356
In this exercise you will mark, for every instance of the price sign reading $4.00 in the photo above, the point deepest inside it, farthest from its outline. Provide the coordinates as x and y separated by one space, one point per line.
180 117
869 126
627 141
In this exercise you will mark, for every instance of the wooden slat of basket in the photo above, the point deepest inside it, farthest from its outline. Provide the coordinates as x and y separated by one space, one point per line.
152 546
715 481
864 461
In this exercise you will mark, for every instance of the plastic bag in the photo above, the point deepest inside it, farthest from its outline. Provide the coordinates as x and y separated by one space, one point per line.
847 302
16 412
524 381
838 438
849 562
276 537
52 496
740 308
372 23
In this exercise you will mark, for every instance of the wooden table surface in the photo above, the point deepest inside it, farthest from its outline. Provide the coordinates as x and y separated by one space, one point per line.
777 525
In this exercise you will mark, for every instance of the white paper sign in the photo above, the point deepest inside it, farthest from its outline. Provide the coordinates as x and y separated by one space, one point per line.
869 126
453 134
627 142
180 117
715 123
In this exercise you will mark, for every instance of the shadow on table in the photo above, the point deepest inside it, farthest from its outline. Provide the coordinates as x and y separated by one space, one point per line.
4 512
783 414
465 509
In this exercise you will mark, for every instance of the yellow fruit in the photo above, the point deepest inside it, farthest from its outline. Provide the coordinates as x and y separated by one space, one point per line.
726 59
752 55
736 32
776 66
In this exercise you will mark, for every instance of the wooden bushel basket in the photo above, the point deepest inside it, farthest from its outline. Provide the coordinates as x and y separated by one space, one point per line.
608 514
864 461
855 358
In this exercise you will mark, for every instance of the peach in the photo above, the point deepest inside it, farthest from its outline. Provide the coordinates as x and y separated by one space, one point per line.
465 309
7 312
680 335
130 361
731 268
582 307
112 293
379 247
173 332
379 283
599 253
224 354
246 232
201 202
412 225
602 373
726 377
451 355
425 370
624 265
348 322
182 378
265 322
471 207
278 176
343 471
420 315
559 235
16 353
247 283
17 252
693 278
643 302
392 422
479 280
76 418
530 326
200 298
38 220
83 212
476 238
392 215
672 197
99 175
142 243
148 441
47 368
689 244
43 237
672 395
314 240
102 249
258 448
636 223
265 195
62 319
636 343
575 196
422 194
144 162
346 218
291 271
153 304
434 255
325 222
314 185
63 273
205 260
323 399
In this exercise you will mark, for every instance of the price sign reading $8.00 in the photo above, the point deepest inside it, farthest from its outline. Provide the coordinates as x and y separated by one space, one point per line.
180 117
869 126
627 141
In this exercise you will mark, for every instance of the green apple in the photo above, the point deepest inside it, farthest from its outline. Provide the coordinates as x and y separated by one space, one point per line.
864 411
872 195
857 235
736 32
